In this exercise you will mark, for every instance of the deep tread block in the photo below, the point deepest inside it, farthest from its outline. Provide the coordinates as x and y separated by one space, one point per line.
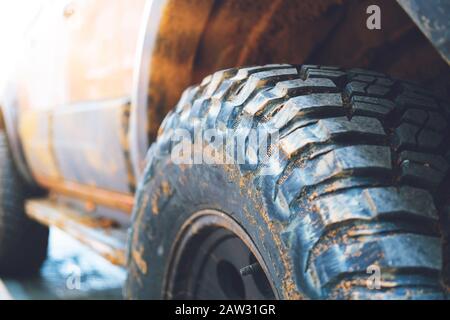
387 251
372 203
363 162
423 169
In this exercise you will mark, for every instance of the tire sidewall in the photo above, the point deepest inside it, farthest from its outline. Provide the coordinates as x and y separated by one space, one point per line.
171 197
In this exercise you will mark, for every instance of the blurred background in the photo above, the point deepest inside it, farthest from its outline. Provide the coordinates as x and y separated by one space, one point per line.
15 18
72 270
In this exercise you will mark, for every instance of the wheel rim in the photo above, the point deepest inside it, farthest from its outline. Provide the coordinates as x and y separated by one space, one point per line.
214 258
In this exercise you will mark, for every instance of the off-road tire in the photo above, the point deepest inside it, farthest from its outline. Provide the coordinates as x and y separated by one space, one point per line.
360 185
23 242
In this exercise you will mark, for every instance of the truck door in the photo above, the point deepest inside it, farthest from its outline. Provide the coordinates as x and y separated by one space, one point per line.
74 93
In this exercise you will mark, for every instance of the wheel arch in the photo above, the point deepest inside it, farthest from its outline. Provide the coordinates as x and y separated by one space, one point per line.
183 41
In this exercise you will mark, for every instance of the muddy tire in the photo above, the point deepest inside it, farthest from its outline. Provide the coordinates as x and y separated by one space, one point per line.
357 188
23 242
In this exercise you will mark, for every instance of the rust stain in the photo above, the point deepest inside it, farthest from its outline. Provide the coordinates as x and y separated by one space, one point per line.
137 257
155 208
112 199
90 206
249 216
89 230
117 257
166 189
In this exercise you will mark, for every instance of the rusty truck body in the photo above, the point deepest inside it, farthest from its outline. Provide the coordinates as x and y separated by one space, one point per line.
96 78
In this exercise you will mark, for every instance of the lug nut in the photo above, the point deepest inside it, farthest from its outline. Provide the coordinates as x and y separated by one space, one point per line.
250 269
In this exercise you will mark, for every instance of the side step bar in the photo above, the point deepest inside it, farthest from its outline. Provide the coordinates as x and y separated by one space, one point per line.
95 232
